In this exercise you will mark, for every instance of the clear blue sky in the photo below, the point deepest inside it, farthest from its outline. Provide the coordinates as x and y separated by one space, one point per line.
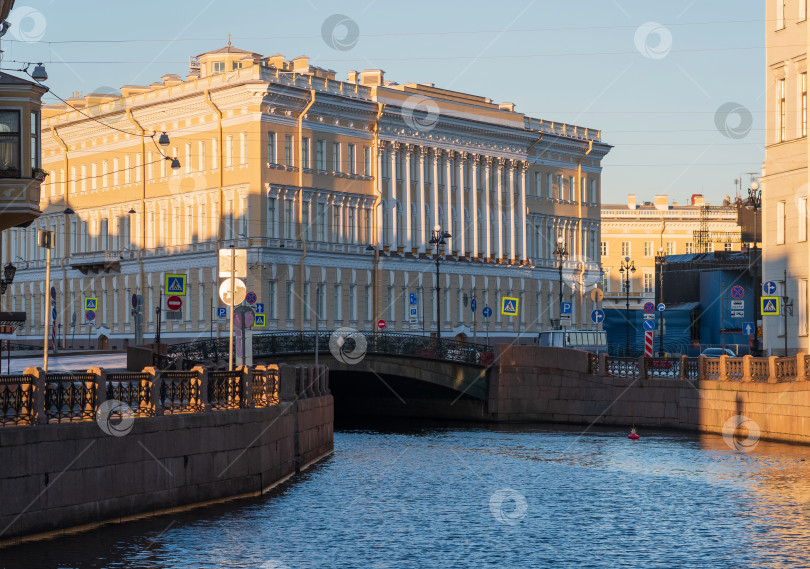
654 91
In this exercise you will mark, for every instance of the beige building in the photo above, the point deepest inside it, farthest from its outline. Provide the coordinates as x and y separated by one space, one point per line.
640 230
785 179
332 185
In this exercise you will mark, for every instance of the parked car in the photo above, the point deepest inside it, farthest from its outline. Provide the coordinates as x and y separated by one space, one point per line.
717 352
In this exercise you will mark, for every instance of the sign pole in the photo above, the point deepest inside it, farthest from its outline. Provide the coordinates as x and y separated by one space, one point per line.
233 285
47 305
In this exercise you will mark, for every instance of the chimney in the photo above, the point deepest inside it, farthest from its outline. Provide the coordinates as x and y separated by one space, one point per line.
697 199
631 201
507 107
661 202
352 76
372 77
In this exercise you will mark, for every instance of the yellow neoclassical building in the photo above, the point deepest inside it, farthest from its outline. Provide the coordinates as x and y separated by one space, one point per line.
785 173
333 186
642 229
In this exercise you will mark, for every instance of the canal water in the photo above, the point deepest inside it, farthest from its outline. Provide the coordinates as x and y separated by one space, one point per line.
472 496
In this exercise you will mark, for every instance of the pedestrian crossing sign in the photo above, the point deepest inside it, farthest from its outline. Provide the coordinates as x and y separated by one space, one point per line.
258 319
91 304
509 306
176 284
770 305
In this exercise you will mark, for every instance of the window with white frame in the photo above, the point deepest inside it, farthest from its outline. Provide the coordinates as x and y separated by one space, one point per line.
243 149
690 247
549 186
320 155
781 125
272 213
671 250
201 155
604 248
626 249
336 157
802 10
289 300
289 220
648 248
352 158
802 307
229 151
305 154
727 246
288 150
649 282
780 14
780 223
367 161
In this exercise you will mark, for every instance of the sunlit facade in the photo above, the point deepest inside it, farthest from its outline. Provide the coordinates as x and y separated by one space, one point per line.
333 187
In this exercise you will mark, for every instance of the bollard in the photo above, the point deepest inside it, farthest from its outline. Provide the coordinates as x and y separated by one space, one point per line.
155 390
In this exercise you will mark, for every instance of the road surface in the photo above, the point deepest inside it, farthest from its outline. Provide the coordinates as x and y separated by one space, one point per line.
68 363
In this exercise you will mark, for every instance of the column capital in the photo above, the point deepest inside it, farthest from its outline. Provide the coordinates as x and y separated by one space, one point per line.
523 165
463 156
424 151
488 161
395 146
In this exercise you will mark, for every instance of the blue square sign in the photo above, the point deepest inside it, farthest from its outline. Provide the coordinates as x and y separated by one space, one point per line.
222 312
565 308
260 308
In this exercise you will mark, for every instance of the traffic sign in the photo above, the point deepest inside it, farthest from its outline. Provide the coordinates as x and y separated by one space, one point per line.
661 307
648 344
748 328
650 316
770 305
413 298
566 307
53 314
737 304
486 312
260 307
91 304
222 312
598 316
649 307
258 320
597 295
738 313
174 302
769 288
90 315
251 298
473 305
176 284
565 320
233 257
239 291
413 315
139 298
737 291
381 324
509 306
53 292
649 324
134 301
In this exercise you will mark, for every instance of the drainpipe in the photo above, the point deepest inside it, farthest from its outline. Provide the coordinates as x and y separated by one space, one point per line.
218 246
579 215
301 233
377 201
143 207
65 249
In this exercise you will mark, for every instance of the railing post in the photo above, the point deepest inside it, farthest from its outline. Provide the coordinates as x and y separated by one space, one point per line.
286 382
799 367
101 384
246 382
772 375
41 414
682 371
603 365
701 368
746 365
642 367
155 389
721 372
261 371
202 375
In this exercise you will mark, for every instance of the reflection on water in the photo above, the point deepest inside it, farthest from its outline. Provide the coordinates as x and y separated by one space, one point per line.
486 497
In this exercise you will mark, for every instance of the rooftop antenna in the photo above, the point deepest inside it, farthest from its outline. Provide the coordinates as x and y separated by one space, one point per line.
229 40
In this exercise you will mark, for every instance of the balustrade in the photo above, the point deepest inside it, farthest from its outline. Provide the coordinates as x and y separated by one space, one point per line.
786 369
734 369
622 367
16 400
760 369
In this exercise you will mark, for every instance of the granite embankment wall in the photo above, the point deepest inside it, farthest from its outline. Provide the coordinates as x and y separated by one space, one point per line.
62 476
531 383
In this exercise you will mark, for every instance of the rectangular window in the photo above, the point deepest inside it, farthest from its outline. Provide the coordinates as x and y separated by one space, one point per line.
803 82
625 248
104 171
604 248
289 300
572 190
780 14
10 140
727 247
73 179
320 222
243 150
84 177
802 307
270 309
162 168
780 223
781 126
802 10
289 221
671 248
219 67
649 282
188 158
288 150
366 162
214 153
549 188
352 159
802 214
606 279
690 247
127 175
94 176
320 155
538 186
648 248
593 191
271 217
336 157
35 126
305 159
228 151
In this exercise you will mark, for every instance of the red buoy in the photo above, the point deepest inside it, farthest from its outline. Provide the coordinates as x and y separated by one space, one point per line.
633 436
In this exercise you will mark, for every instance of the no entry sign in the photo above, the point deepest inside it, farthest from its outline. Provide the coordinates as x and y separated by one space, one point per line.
174 302
381 324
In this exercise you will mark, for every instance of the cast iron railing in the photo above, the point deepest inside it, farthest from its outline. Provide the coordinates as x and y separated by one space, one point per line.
16 400
224 390
134 389
70 397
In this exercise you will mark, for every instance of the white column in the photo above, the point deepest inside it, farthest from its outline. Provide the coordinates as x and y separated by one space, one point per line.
392 197
420 200
523 171
487 211
406 197
462 221
474 251
435 220
511 225
498 208
379 218
448 200
357 221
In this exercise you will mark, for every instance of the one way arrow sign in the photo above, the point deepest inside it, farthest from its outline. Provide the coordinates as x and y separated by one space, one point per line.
748 328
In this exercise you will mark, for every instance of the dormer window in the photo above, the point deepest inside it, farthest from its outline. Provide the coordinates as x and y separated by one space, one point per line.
219 67
237 65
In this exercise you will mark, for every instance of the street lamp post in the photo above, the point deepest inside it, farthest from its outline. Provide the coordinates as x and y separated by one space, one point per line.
660 261
561 252
627 267
438 239
755 204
